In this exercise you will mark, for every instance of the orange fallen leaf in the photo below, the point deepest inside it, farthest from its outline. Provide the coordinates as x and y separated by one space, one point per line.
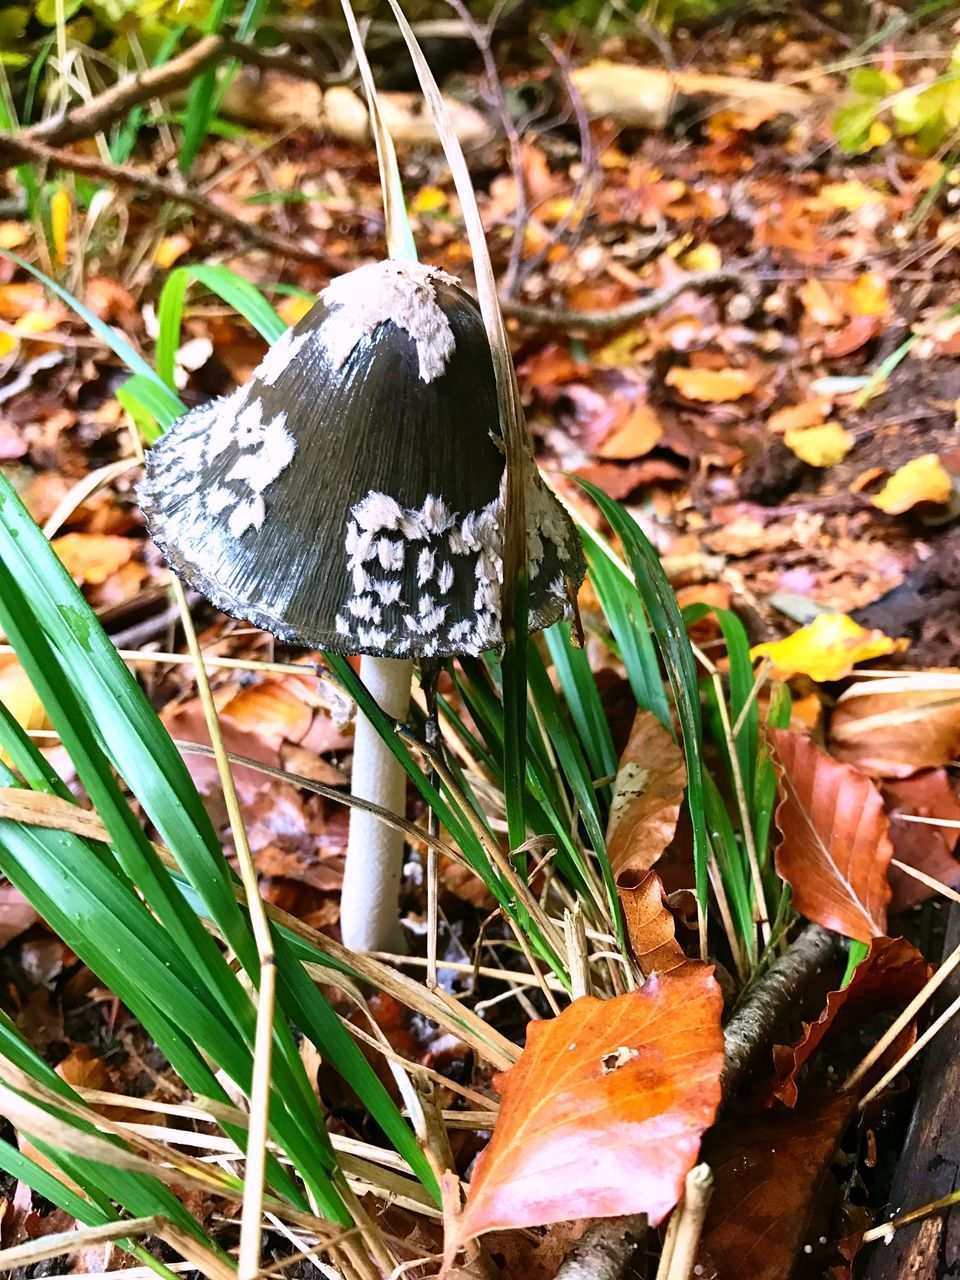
854 334
292 310
826 648
794 417
271 710
170 249
650 926
714 386
901 728
637 435
836 839
92 557
603 1113
647 795
924 479
821 446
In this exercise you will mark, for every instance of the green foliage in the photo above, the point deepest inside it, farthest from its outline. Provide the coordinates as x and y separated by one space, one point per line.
879 105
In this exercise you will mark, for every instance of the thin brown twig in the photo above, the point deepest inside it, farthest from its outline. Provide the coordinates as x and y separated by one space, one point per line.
21 148
91 117
647 304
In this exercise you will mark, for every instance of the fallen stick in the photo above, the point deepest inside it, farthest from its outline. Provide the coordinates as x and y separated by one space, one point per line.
19 148
606 1247
647 304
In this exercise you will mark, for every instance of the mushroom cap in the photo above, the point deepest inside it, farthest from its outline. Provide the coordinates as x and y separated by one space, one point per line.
349 497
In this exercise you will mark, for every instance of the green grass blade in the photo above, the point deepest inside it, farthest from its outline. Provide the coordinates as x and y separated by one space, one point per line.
583 700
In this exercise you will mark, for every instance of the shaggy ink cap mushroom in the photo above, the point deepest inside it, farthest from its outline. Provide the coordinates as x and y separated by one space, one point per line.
349 497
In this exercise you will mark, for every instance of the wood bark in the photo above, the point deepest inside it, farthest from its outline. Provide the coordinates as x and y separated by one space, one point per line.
929 1166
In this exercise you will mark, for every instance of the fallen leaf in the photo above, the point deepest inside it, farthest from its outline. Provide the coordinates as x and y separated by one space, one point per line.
83 1068
849 196
603 1113
292 310
16 914
836 844
819 303
868 295
170 249
894 733
925 479
768 1179
93 557
650 926
60 211
647 796
428 200
826 648
19 696
714 386
890 975
930 794
635 436
269 710
821 446
703 257
854 334
794 417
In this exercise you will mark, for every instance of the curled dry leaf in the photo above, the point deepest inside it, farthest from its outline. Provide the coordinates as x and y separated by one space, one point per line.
890 975
603 1113
647 796
650 926
714 386
836 845
825 649
924 479
769 1181
899 729
931 794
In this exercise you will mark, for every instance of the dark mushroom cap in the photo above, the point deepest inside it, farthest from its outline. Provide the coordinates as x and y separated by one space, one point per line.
349 497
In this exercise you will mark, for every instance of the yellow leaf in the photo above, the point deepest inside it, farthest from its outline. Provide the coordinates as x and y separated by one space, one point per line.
713 385
705 257
7 343
820 446
792 417
879 135
428 200
292 310
869 295
19 697
925 479
826 649
60 205
13 234
39 321
170 249
850 196
818 303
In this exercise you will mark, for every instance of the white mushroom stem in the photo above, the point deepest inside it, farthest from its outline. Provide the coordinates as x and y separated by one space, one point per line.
369 907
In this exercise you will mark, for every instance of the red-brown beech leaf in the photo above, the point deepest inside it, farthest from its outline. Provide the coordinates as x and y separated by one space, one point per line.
770 1178
650 926
931 794
836 845
890 975
894 734
603 1113
647 796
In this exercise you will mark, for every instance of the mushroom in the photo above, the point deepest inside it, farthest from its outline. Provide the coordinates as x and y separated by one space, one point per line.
349 497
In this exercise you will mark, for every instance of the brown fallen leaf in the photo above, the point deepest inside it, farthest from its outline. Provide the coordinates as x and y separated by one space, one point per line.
930 794
650 926
898 727
647 796
769 1176
270 709
16 914
891 974
640 431
603 1113
836 844
854 334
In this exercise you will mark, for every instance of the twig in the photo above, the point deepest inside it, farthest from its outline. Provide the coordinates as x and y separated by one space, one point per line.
114 103
605 1249
647 304
20 147
686 1226
749 1030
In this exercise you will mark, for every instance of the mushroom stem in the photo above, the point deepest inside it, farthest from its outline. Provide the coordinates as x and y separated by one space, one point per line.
369 906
